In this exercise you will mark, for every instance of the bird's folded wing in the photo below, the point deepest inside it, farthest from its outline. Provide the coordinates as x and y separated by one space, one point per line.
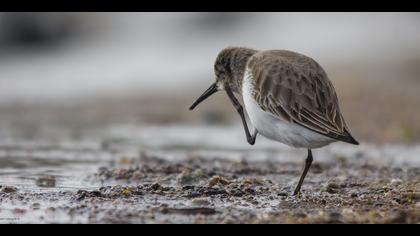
305 97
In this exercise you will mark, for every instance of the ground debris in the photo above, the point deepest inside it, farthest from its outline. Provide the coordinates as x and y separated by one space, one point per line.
109 192
200 202
82 194
8 189
218 180
332 187
203 190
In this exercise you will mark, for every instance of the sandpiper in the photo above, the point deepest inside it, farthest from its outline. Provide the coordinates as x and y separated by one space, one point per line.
288 98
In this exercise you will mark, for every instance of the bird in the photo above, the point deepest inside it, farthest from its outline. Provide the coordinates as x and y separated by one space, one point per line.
287 96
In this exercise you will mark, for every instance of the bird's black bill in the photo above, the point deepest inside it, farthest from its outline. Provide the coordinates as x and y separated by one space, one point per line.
206 94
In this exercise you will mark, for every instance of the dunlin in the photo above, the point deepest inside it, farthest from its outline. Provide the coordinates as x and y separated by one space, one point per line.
287 95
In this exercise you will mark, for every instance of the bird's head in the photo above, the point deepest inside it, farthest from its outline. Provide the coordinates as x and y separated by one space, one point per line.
229 69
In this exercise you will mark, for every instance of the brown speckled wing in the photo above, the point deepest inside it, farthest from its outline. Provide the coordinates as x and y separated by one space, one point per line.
295 88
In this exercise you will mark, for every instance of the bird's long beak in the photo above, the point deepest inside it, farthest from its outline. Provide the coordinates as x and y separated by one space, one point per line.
212 89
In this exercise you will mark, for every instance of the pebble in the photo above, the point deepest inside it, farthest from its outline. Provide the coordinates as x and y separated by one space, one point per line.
396 182
218 180
332 188
282 194
354 194
200 202
50 210
8 189
36 206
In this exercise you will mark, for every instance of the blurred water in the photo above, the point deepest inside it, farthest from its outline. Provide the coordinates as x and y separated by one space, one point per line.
156 53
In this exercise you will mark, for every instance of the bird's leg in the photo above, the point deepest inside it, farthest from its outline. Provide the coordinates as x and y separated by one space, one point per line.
308 163
238 107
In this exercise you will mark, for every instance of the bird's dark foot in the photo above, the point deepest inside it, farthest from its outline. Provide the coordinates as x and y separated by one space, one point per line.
251 141
296 192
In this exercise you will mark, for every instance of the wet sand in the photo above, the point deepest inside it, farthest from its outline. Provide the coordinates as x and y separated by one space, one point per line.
178 178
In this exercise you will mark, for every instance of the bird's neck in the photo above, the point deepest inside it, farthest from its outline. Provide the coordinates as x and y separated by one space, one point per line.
239 58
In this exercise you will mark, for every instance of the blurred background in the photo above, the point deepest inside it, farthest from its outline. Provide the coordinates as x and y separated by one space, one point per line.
79 71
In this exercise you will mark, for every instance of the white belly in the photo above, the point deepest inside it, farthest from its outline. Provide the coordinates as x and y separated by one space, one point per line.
275 128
